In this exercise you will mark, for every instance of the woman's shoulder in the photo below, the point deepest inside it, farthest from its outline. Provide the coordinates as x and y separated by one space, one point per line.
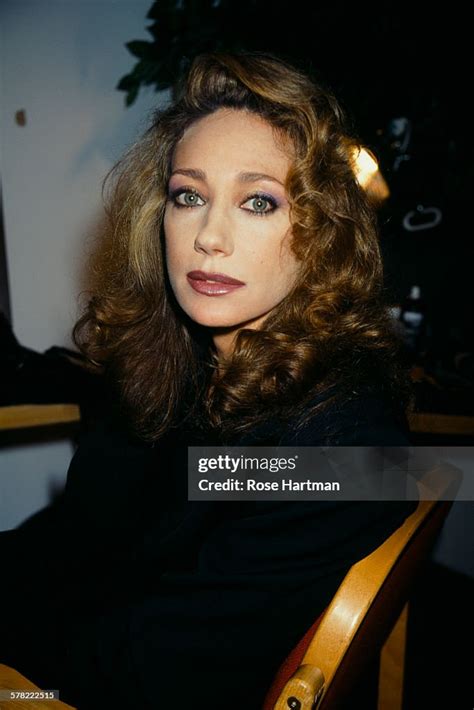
363 416
366 416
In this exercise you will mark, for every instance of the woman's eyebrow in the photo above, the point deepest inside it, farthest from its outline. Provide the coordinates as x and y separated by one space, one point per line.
242 177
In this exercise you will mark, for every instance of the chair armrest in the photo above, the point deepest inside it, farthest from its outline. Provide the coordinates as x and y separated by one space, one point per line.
302 689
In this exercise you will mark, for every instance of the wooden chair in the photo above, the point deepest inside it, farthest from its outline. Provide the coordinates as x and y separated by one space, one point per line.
11 680
370 604
368 614
27 416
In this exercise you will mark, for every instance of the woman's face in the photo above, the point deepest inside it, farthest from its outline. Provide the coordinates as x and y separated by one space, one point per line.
227 225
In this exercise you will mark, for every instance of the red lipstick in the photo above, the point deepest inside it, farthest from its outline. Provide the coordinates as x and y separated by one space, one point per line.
210 284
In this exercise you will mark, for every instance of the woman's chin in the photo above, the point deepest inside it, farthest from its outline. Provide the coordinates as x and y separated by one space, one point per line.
218 319
229 323
215 323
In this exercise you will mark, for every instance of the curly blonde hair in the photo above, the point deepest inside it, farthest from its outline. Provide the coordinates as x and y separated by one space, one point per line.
332 329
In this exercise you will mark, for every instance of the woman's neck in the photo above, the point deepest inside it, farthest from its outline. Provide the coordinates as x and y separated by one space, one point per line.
224 341
224 338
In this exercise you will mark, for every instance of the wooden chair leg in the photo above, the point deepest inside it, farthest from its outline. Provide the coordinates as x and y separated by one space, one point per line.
392 665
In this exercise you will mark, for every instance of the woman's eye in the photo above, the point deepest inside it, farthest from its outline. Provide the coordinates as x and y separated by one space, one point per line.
187 198
261 205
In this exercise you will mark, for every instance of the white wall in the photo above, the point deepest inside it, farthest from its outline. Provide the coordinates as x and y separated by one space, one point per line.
60 61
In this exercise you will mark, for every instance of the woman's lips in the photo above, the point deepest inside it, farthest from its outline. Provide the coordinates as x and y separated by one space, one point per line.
211 284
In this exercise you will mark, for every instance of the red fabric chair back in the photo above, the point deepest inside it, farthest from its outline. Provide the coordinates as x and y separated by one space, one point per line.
289 666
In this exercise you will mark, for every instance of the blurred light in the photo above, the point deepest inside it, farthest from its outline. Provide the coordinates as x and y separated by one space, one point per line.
365 165
368 175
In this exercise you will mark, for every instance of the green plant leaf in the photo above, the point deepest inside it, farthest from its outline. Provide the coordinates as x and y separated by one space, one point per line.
155 29
131 96
127 83
156 10
143 70
140 48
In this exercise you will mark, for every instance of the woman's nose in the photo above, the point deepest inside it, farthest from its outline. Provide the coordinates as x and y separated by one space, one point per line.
215 232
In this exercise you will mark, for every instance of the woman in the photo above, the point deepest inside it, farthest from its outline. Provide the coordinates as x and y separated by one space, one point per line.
237 300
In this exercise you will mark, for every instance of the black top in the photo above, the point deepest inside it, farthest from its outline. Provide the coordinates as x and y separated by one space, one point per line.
129 595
